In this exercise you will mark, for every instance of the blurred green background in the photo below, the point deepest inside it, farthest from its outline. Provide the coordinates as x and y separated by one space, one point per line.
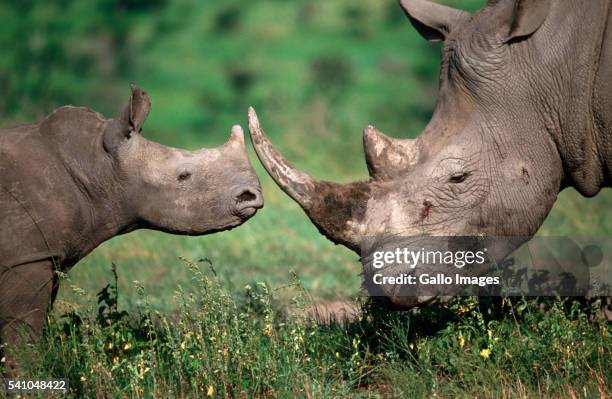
317 72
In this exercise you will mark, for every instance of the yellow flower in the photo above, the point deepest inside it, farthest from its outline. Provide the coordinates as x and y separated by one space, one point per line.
461 341
485 353
183 345
268 330
211 391
490 333
463 309
83 378
411 345
337 354
127 346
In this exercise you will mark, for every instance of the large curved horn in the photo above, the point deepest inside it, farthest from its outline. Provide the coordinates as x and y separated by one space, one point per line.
338 210
387 157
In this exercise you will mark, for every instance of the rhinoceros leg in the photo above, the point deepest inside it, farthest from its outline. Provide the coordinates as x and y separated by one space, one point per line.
25 295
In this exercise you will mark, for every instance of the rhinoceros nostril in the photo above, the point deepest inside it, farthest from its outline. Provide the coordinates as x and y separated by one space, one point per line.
246 196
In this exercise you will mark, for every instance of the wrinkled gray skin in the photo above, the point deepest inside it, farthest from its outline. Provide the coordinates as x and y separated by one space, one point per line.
77 179
524 110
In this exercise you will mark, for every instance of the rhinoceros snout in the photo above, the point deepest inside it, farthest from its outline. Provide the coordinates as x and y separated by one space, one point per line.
247 200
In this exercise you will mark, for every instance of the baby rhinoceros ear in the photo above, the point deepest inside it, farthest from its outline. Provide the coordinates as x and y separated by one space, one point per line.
135 113
140 105
130 119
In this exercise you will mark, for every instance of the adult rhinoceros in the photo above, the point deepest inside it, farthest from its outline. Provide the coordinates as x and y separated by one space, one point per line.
524 110
77 179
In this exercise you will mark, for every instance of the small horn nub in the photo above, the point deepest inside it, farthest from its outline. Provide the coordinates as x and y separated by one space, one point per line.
236 136
387 157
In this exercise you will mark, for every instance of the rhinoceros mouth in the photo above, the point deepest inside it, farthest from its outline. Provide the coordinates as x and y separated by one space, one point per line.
247 212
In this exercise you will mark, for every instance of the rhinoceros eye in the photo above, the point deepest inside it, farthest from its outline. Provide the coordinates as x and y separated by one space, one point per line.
459 177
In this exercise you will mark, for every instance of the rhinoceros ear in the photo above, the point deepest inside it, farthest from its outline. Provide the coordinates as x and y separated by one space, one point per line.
136 111
129 121
433 21
139 107
519 18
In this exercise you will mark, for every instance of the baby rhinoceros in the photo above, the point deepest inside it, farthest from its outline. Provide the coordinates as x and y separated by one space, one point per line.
77 179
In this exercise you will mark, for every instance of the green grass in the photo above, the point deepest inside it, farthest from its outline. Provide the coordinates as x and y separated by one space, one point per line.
317 73
220 344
